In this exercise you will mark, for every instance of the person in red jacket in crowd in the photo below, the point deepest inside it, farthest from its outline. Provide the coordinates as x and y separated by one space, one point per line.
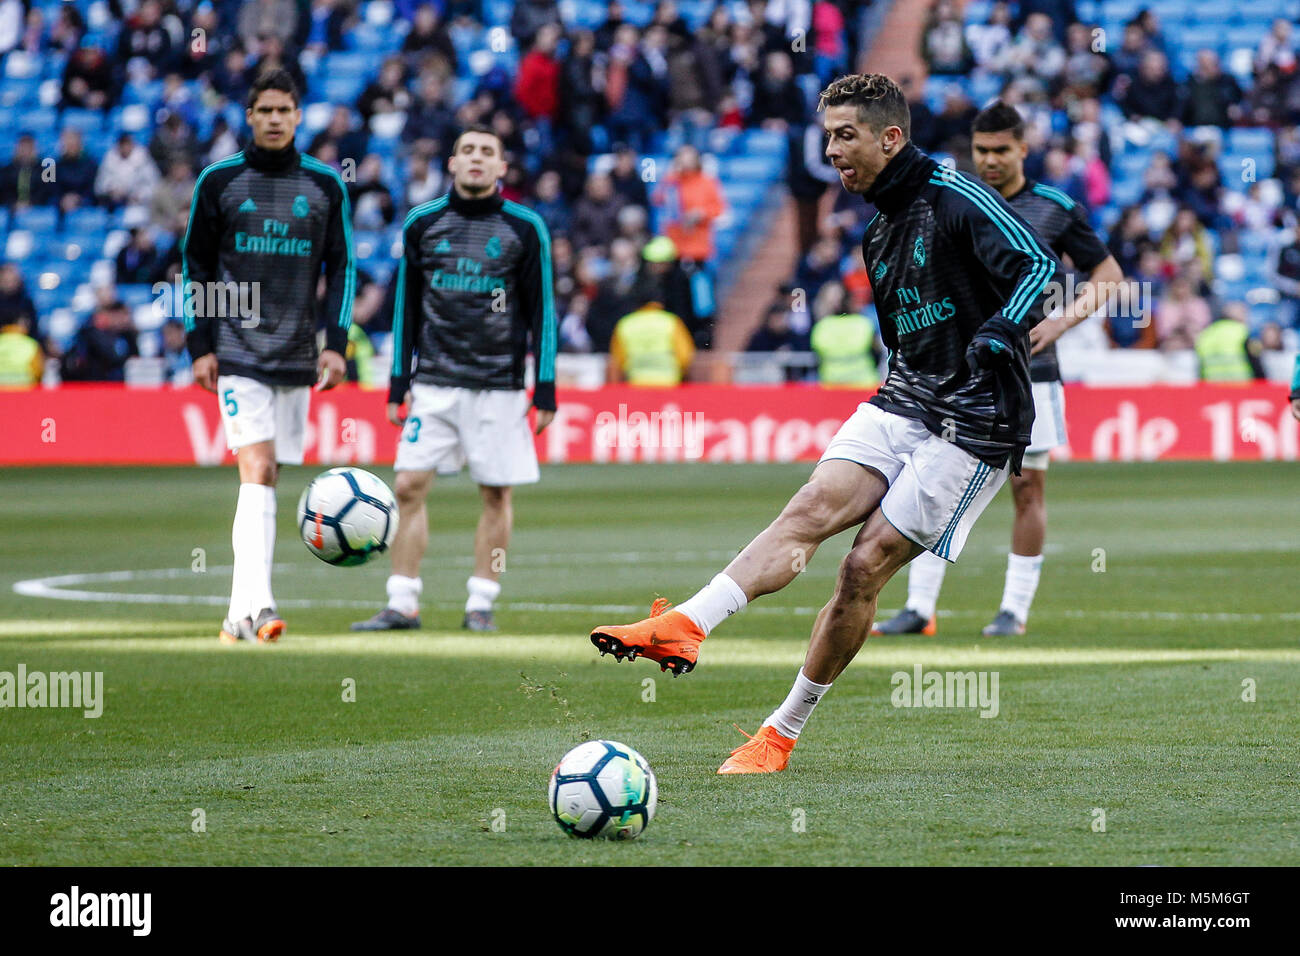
537 90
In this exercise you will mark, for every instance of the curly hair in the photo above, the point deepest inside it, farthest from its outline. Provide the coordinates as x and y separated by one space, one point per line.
880 101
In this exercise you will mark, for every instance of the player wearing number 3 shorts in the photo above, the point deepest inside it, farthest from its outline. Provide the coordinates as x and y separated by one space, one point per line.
263 225
473 293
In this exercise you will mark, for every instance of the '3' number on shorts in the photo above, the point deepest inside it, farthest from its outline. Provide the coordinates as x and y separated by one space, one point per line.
413 430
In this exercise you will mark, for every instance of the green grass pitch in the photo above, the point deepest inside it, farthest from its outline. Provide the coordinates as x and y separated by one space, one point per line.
1169 592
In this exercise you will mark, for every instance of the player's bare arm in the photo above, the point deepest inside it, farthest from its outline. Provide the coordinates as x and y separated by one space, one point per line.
205 372
1092 295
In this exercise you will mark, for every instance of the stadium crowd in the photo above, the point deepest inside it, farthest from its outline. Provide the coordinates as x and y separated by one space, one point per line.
617 90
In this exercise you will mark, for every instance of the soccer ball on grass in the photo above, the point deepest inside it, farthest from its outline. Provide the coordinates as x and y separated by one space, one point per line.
603 789
347 516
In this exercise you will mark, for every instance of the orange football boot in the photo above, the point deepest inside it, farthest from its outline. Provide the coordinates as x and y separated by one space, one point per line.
765 752
671 639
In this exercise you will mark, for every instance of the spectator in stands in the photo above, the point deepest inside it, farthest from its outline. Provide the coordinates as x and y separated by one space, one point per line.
1036 53
779 102
262 18
387 93
101 347
1060 172
327 23
195 58
636 97
171 198
1093 173
549 203
808 175
68 29
178 367
695 84
1186 246
952 124
662 279
1127 238
692 200
943 44
537 86
74 183
1284 275
1127 60
820 266
634 225
1277 49
372 201
626 177
1086 72
1152 93
127 174
22 360
1129 323
830 41
528 18
139 261
595 214
1181 314
88 79
15 304
775 333
174 142
144 46
429 121
24 181
272 55
989 42
582 105
342 131
1265 102
615 295
1271 338
429 36
607 32
1149 23
1212 97
1225 350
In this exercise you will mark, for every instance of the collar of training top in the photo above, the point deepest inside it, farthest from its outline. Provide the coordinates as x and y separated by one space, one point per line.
897 184
271 160
475 207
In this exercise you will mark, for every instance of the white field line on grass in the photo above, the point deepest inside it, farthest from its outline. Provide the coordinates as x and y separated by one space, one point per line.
65 587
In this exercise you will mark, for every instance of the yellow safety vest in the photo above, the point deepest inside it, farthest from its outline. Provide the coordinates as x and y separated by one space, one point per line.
18 354
1221 348
843 347
647 338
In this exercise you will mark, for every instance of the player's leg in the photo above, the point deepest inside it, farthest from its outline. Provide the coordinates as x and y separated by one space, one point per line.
879 550
501 453
248 412
846 486
924 581
429 443
932 503
491 541
1025 561
1028 534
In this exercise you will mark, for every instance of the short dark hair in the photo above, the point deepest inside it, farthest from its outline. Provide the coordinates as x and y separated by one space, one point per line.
477 128
880 101
999 117
281 80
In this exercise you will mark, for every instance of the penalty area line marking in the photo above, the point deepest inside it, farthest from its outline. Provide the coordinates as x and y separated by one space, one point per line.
67 587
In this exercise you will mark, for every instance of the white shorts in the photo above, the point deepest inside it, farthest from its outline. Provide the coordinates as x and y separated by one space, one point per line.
936 490
447 427
1049 424
253 412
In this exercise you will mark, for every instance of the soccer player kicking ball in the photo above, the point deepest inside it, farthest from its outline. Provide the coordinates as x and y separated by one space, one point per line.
958 278
262 226
998 148
473 287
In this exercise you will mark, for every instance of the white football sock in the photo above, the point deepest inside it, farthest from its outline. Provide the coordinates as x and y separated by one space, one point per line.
1022 582
924 581
252 539
482 593
714 603
404 594
789 718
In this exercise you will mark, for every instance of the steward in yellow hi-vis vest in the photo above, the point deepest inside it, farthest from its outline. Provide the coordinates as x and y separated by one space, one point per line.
21 358
1224 352
843 346
650 347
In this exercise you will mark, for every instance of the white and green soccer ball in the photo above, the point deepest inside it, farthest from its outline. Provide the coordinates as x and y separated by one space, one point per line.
603 789
347 516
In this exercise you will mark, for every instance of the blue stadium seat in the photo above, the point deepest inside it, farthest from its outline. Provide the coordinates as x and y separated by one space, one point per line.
38 219
1250 141
91 222
82 119
341 89
350 64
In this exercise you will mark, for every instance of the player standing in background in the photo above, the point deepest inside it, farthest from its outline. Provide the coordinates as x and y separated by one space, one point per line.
473 288
959 279
262 225
998 148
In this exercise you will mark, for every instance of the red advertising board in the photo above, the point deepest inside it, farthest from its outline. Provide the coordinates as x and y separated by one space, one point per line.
110 424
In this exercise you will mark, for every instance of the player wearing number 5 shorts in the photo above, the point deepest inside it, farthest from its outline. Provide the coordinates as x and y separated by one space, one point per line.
263 226
473 293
